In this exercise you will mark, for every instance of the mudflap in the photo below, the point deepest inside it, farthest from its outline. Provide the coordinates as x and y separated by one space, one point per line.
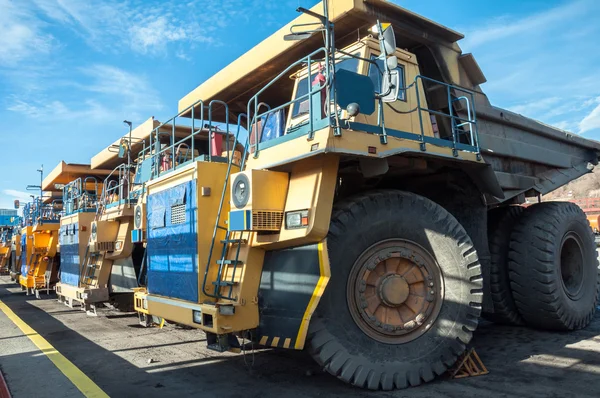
123 276
292 283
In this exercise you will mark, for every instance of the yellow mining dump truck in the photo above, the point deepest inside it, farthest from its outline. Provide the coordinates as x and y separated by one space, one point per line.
104 262
112 266
80 188
39 240
15 250
4 253
9 224
375 214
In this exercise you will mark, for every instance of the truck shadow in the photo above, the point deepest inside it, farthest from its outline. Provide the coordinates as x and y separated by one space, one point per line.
126 362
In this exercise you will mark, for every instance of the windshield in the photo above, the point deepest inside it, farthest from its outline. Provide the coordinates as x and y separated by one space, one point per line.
301 107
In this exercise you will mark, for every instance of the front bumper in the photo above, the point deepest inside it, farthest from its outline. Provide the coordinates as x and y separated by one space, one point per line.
218 319
81 294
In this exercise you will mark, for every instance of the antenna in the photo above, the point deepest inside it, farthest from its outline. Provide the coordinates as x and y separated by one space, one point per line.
33 187
322 25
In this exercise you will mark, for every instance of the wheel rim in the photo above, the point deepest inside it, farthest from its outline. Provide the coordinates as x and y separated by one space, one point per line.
572 265
395 291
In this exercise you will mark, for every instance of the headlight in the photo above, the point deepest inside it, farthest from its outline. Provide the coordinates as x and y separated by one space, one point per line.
241 191
197 315
138 217
296 219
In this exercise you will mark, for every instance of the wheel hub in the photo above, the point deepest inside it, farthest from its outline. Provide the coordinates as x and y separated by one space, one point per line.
572 265
395 291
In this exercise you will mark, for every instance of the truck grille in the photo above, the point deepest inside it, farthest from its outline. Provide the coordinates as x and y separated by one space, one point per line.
266 220
178 214
105 246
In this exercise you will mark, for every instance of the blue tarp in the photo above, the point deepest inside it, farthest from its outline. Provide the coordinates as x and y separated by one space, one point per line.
24 258
172 249
69 254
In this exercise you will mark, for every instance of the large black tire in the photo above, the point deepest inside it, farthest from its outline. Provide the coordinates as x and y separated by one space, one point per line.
554 267
337 342
501 222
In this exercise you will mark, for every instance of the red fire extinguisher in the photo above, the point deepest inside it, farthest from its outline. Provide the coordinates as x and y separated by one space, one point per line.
320 80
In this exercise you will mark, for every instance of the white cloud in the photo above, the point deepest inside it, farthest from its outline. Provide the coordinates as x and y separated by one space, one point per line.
155 34
145 28
108 93
22 36
591 121
98 22
55 110
506 26
10 195
534 107
541 65
19 195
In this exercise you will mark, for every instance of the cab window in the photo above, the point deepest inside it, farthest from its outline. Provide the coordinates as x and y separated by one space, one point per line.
375 73
301 108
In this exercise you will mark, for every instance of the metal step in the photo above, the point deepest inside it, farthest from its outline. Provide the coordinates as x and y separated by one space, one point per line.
229 262
236 241
225 283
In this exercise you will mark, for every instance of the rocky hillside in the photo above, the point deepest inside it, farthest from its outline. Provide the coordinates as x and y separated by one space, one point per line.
587 186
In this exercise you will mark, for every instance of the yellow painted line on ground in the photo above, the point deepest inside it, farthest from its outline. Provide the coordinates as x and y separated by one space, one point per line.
76 376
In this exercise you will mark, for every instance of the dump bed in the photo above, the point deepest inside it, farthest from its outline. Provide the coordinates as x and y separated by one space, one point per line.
63 174
528 158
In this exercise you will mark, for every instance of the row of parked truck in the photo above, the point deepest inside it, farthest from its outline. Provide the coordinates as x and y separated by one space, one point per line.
344 188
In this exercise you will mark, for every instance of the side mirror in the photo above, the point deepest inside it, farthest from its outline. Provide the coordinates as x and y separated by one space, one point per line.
387 39
392 62
17 204
390 86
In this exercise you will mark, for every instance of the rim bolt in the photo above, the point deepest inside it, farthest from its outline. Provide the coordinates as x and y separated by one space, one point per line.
432 291
430 284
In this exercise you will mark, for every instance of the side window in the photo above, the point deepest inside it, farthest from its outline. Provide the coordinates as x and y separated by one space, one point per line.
375 73
301 108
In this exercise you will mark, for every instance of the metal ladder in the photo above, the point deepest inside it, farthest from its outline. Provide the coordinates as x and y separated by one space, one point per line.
32 262
460 126
232 242
89 273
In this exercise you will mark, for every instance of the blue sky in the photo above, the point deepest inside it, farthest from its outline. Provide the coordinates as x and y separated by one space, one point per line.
72 70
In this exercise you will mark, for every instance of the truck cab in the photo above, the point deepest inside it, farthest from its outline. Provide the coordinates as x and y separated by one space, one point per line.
40 260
